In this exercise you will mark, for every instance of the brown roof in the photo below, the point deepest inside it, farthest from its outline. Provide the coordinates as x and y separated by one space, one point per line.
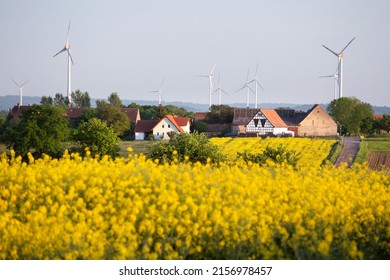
242 116
200 116
132 114
273 117
16 110
145 125
74 113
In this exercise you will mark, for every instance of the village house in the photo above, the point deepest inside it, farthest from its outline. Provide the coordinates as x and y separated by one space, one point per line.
314 122
160 128
254 122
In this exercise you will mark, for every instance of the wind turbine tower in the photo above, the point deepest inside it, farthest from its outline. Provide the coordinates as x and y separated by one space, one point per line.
159 91
20 91
220 90
211 88
336 81
340 57
256 80
67 49
246 86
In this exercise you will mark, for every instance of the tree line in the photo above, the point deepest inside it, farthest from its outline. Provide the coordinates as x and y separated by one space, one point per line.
44 129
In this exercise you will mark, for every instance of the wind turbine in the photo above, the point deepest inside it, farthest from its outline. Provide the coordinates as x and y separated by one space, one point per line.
336 81
67 49
220 90
247 89
211 90
256 80
340 56
20 90
159 91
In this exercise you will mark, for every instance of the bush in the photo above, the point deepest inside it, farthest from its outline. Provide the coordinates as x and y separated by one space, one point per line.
186 147
279 155
97 137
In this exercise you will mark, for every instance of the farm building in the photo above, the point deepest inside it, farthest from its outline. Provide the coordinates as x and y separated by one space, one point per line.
251 121
160 128
314 122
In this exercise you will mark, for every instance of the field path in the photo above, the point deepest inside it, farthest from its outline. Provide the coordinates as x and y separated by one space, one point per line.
349 151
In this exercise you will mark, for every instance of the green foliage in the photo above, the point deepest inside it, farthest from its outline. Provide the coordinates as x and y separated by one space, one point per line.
114 117
220 114
150 112
46 100
99 138
350 112
200 127
182 147
60 100
114 100
81 99
279 155
40 129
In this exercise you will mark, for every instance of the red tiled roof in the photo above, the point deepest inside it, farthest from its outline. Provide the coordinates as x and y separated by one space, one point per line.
273 117
200 116
182 121
377 116
172 119
145 125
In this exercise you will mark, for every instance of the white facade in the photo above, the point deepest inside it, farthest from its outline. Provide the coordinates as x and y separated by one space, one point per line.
262 126
160 131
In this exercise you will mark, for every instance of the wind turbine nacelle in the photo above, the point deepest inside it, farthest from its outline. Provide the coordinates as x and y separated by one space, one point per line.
68 46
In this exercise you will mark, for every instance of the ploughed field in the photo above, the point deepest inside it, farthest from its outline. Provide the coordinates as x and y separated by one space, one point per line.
135 208
379 160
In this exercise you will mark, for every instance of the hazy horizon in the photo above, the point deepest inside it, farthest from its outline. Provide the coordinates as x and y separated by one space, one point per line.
128 47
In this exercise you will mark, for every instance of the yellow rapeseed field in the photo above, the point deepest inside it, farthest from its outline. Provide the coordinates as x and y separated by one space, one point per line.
134 208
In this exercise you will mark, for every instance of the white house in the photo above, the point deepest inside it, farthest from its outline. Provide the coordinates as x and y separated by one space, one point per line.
267 121
160 128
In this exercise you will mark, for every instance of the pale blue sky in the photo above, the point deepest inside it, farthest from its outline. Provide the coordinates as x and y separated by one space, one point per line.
129 46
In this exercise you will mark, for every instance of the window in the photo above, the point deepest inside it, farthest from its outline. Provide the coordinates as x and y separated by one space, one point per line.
169 126
163 126
158 133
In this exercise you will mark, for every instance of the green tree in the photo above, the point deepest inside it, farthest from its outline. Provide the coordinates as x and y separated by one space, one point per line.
220 114
192 147
60 100
350 112
47 100
114 117
81 99
99 138
114 100
40 129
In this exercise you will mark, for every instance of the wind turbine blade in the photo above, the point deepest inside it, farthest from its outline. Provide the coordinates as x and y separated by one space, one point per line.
224 92
64 49
24 83
328 76
212 70
242 88
162 82
348 44
67 36
260 86
336 54
202 76
15 83
70 55
247 76
153 91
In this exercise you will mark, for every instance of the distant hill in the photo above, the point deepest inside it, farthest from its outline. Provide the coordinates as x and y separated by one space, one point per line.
8 101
